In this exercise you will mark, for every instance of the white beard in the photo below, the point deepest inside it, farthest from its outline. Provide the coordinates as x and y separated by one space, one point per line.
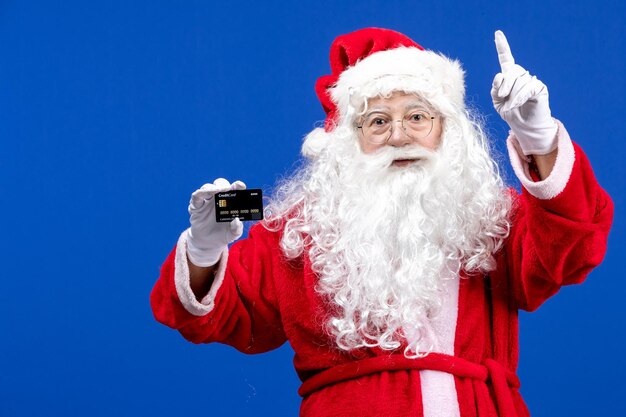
381 237
389 252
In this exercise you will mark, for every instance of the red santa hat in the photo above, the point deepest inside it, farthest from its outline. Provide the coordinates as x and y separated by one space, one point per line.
371 62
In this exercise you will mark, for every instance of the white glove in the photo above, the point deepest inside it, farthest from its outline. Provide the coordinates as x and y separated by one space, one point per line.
207 238
522 101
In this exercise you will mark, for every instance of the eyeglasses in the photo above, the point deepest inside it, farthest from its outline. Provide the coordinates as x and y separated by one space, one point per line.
377 127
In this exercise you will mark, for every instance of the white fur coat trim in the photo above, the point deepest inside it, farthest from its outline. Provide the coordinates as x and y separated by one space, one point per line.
558 178
181 279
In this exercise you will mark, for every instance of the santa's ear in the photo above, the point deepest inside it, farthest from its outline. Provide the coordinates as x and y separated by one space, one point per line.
315 142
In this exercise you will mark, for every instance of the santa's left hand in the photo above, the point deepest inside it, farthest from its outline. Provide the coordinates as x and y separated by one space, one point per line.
522 101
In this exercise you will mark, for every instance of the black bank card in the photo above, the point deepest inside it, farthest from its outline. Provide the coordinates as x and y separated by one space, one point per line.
245 204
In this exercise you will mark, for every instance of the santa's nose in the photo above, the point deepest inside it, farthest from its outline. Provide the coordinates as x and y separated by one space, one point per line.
398 136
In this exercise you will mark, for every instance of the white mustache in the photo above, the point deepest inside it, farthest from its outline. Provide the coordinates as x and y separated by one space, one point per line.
384 157
413 153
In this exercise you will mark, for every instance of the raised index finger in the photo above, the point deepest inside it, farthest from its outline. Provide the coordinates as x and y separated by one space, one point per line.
504 51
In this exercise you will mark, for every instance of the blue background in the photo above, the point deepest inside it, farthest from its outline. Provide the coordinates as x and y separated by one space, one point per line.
112 113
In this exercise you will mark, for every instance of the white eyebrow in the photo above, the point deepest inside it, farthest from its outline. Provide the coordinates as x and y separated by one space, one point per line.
418 105
409 106
378 108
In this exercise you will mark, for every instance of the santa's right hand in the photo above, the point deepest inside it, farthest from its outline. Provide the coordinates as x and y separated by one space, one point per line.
206 238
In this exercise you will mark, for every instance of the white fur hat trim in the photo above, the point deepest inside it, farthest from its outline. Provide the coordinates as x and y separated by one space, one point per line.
408 69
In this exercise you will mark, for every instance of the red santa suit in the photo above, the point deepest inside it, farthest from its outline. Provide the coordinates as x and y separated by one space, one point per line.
259 300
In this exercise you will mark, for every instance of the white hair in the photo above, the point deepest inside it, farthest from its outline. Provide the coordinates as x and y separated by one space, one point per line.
380 239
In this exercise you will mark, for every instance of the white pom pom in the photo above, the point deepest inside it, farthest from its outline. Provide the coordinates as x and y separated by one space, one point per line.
315 142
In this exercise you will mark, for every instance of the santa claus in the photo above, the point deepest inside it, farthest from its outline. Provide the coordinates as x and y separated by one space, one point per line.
395 261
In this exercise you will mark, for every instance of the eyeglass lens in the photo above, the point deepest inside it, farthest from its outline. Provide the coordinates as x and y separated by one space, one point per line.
378 127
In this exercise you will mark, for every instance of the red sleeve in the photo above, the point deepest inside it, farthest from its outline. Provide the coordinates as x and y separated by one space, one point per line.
242 312
559 240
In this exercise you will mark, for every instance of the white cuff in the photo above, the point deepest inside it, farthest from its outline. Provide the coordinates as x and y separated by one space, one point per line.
558 178
181 279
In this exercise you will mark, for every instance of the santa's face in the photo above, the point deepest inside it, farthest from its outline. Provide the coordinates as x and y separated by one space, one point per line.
395 115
